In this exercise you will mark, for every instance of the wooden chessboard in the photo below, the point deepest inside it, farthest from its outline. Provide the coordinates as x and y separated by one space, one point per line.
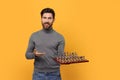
70 59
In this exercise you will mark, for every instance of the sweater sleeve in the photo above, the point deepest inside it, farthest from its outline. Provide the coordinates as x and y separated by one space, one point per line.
29 53
61 47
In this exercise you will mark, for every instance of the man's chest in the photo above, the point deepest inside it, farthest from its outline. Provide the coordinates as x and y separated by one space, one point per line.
47 42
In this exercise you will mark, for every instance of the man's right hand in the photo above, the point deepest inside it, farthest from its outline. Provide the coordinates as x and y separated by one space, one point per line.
36 53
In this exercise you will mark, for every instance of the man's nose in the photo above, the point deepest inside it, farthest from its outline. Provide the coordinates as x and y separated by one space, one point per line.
46 20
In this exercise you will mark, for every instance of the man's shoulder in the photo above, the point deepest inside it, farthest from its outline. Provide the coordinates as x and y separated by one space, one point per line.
36 33
59 34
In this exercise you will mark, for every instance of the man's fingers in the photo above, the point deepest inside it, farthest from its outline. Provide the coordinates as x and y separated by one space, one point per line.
35 50
39 54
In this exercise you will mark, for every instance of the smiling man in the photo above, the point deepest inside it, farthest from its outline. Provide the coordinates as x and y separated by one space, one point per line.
44 45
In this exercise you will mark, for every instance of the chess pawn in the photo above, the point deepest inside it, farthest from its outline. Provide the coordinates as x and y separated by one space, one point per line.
62 59
58 59
74 57
68 59
67 54
71 58
77 58
65 58
82 58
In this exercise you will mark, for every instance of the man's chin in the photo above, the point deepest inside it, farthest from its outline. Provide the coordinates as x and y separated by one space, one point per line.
46 28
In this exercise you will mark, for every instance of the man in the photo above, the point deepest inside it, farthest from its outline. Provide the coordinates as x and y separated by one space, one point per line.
44 45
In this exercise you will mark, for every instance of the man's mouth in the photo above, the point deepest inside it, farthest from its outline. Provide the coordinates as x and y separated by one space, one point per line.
46 24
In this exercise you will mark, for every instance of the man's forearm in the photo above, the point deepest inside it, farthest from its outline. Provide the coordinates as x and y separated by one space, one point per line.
30 55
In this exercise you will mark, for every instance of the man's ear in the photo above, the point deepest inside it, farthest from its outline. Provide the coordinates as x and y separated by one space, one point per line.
54 20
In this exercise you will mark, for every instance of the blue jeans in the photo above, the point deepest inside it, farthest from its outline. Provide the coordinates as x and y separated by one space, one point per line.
47 75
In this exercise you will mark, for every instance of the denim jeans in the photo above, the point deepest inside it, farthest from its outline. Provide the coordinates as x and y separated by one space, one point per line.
47 75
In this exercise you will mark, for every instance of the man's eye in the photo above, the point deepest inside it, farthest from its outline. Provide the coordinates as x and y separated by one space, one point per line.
49 18
44 17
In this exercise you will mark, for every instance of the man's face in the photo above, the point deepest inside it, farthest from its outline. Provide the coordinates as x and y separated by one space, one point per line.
47 20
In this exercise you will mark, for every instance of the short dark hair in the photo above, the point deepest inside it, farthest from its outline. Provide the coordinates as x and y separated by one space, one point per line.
48 10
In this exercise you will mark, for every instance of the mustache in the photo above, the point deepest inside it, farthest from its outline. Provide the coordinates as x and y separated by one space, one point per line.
46 23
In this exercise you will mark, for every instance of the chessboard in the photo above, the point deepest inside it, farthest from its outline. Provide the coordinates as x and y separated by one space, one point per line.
70 59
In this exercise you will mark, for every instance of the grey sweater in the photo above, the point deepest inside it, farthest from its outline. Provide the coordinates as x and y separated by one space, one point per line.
49 42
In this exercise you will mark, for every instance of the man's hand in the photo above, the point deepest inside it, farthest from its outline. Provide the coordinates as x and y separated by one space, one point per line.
36 53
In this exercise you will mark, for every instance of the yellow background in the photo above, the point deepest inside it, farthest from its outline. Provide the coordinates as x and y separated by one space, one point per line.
90 27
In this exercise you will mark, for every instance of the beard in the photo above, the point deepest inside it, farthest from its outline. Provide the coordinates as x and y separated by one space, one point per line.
47 25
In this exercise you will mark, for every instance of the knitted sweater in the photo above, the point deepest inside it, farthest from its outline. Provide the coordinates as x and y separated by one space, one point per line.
49 42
